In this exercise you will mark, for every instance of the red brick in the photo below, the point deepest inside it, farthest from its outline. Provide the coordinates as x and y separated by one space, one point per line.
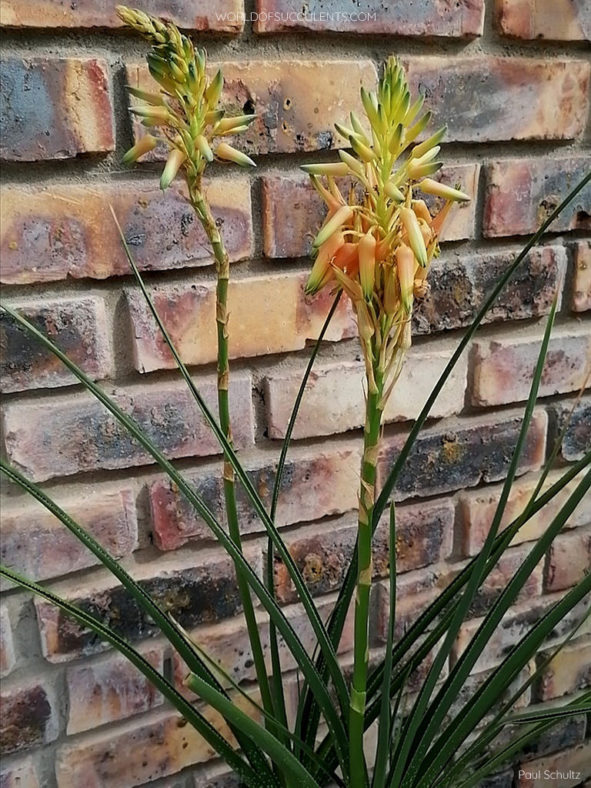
424 536
193 591
297 101
223 16
503 368
450 20
486 99
568 672
55 108
19 775
291 194
188 311
478 507
7 655
556 20
110 688
522 193
315 484
564 769
78 327
56 232
463 454
137 752
28 718
581 300
460 284
166 412
569 559
108 515
334 395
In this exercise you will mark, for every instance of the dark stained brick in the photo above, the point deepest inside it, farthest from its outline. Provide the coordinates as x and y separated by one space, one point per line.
27 719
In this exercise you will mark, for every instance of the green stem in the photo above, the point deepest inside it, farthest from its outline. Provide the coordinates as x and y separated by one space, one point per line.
205 216
371 437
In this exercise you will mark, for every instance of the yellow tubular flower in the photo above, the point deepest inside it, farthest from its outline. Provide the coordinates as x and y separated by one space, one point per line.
367 264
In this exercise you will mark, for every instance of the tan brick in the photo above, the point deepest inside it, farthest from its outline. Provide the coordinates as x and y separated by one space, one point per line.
504 368
315 484
19 775
334 396
166 412
57 232
110 688
555 20
55 108
224 16
581 300
292 195
215 776
7 655
193 590
77 326
478 508
28 718
109 515
500 576
568 672
513 98
569 559
188 311
522 193
564 769
457 20
297 101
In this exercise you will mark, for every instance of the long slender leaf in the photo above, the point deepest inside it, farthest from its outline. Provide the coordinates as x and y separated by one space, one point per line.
293 642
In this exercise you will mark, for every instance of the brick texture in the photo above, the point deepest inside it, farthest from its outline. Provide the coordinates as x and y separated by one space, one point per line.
581 301
7 655
558 766
556 20
19 775
576 417
28 718
569 559
57 232
167 413
522 193
569 671
55 108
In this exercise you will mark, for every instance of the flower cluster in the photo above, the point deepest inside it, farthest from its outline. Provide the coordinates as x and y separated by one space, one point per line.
186 109
377 243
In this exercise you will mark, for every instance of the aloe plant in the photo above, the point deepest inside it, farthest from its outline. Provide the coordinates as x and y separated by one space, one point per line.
376 247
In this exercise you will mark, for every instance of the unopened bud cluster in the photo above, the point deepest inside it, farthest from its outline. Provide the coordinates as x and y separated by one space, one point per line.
377 243
185 112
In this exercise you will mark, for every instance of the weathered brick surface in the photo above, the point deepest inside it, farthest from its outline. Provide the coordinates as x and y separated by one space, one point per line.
522 193
83 436
454 20
500 576
581 300
566 733
479 451
217 15
7 655
194 592
61 231
315 484
108 515
292 195
297 101
503 368
478 507
424 536
569 671
28 718
19 775
460 284
78 327
333 401
556 20
188 312
513 98
560 768
109 689
216 776
577 438
55 108
569 559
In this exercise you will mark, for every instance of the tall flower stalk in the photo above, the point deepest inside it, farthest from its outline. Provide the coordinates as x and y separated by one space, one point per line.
377 244
185 114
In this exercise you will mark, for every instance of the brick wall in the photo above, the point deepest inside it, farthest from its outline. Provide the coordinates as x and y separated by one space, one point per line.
511 79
